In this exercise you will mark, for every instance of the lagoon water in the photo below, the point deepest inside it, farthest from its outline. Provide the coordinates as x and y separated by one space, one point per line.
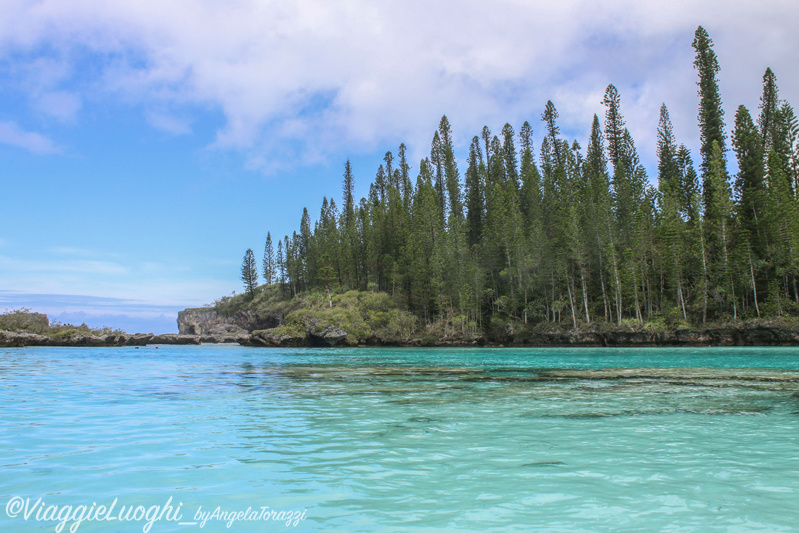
403 439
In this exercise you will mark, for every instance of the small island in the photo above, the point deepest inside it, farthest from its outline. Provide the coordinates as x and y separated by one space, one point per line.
561 246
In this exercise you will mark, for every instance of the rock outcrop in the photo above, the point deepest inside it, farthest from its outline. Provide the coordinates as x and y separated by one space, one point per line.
324 335
20 339
205 322
277 338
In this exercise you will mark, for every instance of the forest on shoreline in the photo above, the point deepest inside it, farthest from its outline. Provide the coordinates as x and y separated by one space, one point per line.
566 235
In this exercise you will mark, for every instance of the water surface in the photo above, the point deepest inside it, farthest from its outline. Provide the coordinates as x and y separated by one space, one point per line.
684 439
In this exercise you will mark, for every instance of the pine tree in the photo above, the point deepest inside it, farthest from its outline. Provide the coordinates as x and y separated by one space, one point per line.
721 232
306 258
672 223
689 186
437 161
281 266
451 176
602 223
530 194
614 124
486 136
269 260
769 107
749 183
406 187
668 174
388 159
348 188
791 132
550 117
711 114
509 156
249 273
475 194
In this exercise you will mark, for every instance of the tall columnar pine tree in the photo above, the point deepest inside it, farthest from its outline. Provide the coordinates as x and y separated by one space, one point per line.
614 134
769 107
437 161
475 194
451 176
530 193
427 233
349 241
672 226
269 260
721 235
791 128
614 124
485 134
603 224
509 156
711 114
281 266
406 187
289 249
348 189
550 117
749 183
249 273
388 159
668 175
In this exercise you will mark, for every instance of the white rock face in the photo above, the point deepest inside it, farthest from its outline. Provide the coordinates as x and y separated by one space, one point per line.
209 322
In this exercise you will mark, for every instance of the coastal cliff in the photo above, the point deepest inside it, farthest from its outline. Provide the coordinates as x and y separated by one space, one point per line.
208 322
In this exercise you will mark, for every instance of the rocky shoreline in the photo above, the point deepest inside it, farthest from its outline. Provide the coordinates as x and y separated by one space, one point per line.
316 336
269 329
10 339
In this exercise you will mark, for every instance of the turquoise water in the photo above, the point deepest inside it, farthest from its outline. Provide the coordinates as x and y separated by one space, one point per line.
403 439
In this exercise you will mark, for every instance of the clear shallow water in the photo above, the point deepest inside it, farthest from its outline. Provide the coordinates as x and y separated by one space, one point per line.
406 439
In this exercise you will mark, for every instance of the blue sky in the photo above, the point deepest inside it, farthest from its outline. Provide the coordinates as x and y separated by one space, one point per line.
144 146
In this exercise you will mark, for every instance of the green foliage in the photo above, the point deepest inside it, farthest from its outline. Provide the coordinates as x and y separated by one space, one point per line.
249 273
572 238
363 315
25 320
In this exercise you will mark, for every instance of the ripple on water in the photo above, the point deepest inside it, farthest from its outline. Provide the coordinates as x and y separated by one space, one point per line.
414 439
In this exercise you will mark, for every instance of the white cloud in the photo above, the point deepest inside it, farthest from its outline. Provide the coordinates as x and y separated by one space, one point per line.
62 105
82 266
13 135
66 270
168 123
129 315
305 79
71 250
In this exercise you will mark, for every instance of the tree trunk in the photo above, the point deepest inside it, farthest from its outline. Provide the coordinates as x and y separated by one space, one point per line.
571 303
754 284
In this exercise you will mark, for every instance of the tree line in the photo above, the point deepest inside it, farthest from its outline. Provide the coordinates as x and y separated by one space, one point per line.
573 235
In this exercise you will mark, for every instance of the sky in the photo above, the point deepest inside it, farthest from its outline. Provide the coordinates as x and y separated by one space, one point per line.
146 145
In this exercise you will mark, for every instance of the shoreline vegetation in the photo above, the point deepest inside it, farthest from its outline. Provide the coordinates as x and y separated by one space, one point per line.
23 327
360 319
366 318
